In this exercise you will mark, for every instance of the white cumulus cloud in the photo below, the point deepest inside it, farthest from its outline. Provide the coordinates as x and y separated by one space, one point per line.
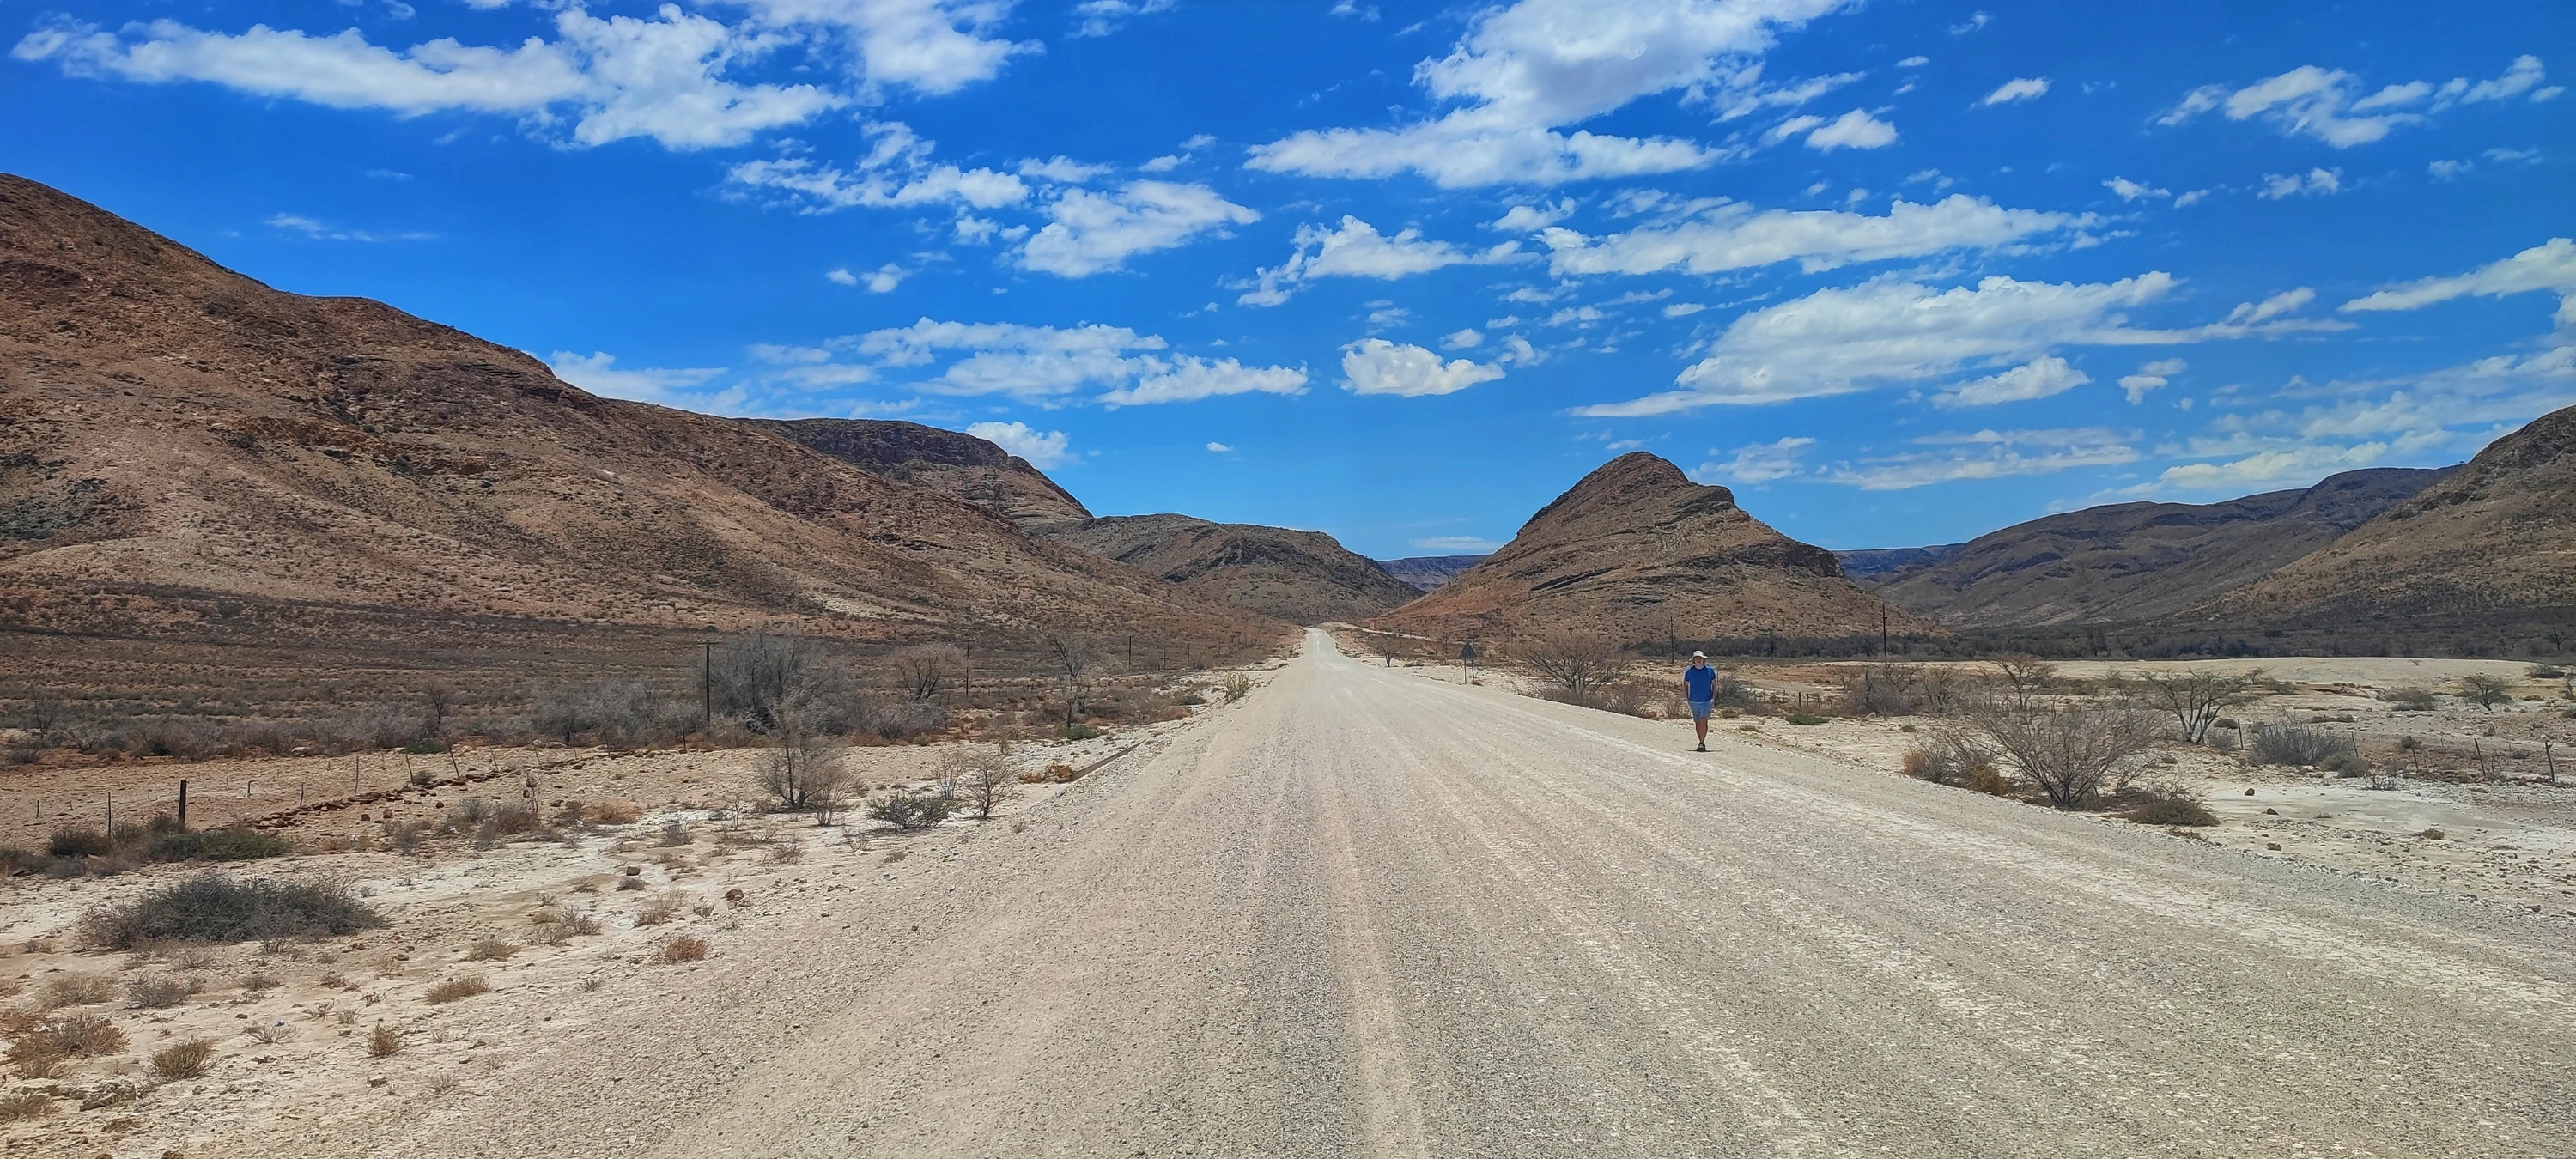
1043 449
1525 71
2549 267
1852 130
1735 236
2315 181
1089 233
1377 366
2038 378
2018 89
1355 249
1758 463
2329 105
598 373
896 173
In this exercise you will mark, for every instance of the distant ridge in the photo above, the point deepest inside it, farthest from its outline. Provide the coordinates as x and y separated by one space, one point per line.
2133 561
953 463
1303 577
1429 572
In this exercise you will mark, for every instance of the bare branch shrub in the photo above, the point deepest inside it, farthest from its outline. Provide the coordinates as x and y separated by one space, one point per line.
2023 680
2196 698
806 772
2070 750
2412 699
2484 689
1071 662
1578 661
2281 742
927 670
1948 755
183 1060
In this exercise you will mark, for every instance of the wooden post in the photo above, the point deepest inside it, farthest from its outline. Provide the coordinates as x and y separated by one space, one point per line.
111 816
183 804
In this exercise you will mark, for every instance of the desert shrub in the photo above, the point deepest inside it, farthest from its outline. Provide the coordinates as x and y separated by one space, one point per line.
183 1060
1807 718
673 834
2173 810
805 773
159 991
240 843
2483 689
574 922
1237 686
15 1108
2071 751
1579 662
1056 774
76 990
455 988
660 908
214 907
1947 756
2411 699
899 719
615 812
911 810
49 1042
384 1042
611 712
515 818
2196 699
983 775
680 948
78 841
490 950
2281 742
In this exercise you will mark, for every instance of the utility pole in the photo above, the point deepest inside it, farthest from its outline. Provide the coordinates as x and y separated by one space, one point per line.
707 688
1882 633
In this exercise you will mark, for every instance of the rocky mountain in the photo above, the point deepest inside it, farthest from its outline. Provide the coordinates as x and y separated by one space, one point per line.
952 463
1639 550
1303 577
189 455
1429 572
2130 561
2491 543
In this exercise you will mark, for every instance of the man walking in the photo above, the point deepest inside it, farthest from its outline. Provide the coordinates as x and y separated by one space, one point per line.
1700 680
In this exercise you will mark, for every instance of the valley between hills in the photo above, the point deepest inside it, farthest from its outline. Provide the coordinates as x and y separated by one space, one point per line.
409 752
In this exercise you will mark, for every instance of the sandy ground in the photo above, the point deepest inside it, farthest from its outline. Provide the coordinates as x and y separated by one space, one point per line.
1374 911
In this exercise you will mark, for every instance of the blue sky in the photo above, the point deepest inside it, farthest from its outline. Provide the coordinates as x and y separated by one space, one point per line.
1899 273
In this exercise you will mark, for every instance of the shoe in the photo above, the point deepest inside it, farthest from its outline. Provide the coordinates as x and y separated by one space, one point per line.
1703 748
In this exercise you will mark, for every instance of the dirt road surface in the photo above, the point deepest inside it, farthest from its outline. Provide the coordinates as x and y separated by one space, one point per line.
1365 913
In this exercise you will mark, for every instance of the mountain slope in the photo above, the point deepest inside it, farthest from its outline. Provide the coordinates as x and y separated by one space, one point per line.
2136 561
1639 550
952 463
185 452
1429 572
1304 577
2494 541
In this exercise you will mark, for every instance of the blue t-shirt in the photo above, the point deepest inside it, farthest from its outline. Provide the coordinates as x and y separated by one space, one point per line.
1702 682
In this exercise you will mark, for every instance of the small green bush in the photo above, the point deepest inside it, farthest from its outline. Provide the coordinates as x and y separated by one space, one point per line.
2181 811
1806 718
78 841
237 844
214 907
1080 732
911 810
420 748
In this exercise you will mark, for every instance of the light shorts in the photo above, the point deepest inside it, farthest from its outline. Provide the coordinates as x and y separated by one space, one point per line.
1700 709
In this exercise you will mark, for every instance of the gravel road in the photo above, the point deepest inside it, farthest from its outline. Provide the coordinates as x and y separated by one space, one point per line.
1366 913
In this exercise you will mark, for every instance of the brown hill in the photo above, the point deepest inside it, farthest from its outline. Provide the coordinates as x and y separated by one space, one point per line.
1303 577
2491 543
1639 550
1430 572
186 454
2135 561
953 463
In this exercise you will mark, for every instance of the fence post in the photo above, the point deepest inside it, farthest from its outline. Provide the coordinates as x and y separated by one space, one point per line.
183 804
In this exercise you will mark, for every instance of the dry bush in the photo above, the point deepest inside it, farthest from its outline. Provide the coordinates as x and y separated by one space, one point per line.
1055 774
259 980
2483 689
673 834
2071 751
1237 686
455 988
925 671
36 1050
75 990
2174 811
1580 662
983 775
1948 756
17 1108
660 908
183 1060
160 991
446 1084
2412 699
490 950
2196 699
384 1042
272 1033
805 773
679 948
576 923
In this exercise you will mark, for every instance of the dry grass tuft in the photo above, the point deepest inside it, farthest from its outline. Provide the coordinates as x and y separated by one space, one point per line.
40 1048
14 1108
455 988
614 812
76 990
490 950
680 948
183 1060
660 908
160 991
384 1042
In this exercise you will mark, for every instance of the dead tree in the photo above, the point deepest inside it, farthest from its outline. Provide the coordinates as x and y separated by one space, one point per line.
1577 660
2197 698
927 670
